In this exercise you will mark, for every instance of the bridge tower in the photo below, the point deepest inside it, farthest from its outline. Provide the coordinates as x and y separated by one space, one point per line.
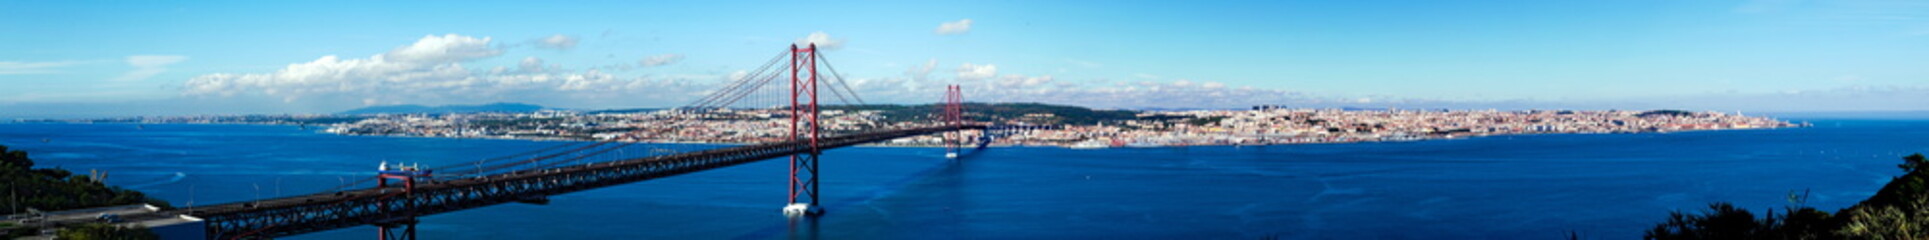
402 225
804 127
953 117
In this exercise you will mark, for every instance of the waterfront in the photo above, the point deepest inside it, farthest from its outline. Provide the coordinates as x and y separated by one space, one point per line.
1529 187
1042 125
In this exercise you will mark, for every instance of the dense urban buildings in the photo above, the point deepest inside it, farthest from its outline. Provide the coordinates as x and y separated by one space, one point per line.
1262 125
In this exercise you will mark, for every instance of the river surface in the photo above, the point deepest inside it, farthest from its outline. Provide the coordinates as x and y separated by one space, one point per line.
1600 186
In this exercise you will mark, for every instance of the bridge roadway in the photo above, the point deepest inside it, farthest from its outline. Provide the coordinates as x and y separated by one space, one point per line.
326 211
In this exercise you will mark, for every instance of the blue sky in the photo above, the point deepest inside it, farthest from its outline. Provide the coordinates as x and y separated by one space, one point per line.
148 58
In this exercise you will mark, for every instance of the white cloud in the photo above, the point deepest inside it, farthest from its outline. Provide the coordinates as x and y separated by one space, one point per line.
146 66
436 70
1021 81
154 61
983 82
660 60
531 64
432 71
922 72
12 68
1150 94
972 71
956 27
558 42
442 49
823 41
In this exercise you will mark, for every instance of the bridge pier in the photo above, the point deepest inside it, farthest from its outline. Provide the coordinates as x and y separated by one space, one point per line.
803 210
396 203
406 223
804 126
954 117
397 230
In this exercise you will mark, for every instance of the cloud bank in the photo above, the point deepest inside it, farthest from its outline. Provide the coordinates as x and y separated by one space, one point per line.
146 66
437 69
660 60
558 42
954 27
823 41
18 67
430 71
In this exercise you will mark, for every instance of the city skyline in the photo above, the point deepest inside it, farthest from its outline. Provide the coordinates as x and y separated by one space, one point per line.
246 57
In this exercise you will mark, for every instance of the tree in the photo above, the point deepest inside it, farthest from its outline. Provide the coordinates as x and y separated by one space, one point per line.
102 231
56 189
1720 221
1900 210
14 159
1910 164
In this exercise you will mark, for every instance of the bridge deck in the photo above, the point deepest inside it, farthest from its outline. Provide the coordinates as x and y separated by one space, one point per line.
325 211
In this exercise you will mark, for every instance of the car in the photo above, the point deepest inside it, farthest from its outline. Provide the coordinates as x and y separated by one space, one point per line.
108 218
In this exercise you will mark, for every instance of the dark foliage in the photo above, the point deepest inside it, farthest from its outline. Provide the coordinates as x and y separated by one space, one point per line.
103 231
1895 212
56 189
414 109
1671 113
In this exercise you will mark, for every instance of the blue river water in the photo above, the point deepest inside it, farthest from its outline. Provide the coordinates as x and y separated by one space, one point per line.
1601 186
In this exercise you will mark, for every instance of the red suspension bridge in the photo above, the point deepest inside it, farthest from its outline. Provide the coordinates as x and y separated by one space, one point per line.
402 194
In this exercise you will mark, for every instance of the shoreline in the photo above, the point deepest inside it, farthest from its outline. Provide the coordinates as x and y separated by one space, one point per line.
1065 146
877 145
1146 130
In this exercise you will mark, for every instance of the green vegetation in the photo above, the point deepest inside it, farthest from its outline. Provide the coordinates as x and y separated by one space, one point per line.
525 122
104 231
325 120
1900 210
415 109
621 111
1205 121
1035 113
1670 113
57 189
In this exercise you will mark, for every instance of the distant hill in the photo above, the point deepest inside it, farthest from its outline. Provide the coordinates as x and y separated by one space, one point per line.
1059 114
631 110
408 109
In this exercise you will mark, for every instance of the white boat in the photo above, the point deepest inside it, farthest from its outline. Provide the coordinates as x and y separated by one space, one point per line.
1143 144
1089 144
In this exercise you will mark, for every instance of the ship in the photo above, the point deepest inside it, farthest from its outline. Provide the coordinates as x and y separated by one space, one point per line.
1089 144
